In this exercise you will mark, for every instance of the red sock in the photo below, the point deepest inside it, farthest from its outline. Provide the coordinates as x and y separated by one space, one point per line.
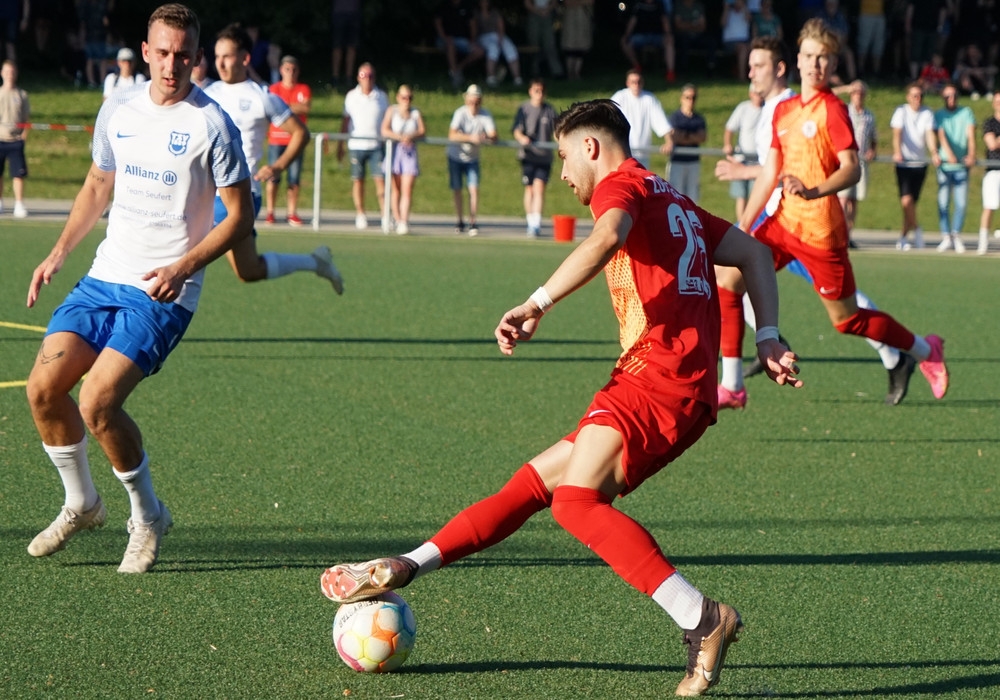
624 544
494 518
880 326
733 325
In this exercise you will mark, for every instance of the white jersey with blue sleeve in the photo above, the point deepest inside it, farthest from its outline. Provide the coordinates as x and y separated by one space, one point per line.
168 162
252 108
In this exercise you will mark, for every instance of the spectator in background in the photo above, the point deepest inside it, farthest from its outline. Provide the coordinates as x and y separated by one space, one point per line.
126 76
471 125
924 24
956 135
648 26
742 127
298 97
645 115
836 20
364 109
12 21
345 25
492 36
15 110
972 75
577 35
736 33
533 125
865 135
914 142
934 75
766 23
264 58
93 16
897 37
199 74
691 32
542 33
690 130
871 35
991 180
455 24
404 126
807 9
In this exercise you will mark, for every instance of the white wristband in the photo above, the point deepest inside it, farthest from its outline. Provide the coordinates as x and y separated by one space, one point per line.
767 333
542 299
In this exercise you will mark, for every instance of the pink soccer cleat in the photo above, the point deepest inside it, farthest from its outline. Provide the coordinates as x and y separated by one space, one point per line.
934 369
732 399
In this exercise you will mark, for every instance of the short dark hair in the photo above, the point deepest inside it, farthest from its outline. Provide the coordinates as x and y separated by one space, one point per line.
176 16
236 34
596 115
779 52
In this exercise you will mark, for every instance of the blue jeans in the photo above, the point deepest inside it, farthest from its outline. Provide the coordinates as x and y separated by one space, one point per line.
953 185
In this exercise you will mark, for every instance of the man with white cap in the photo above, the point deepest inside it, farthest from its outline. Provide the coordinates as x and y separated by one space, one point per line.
471 125
126 75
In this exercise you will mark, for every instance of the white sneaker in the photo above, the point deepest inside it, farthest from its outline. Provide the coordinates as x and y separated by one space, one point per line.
903 244
984 244
67 523
956 240
144 543
944 245
918 238
402 228
19 211
361 222
325 268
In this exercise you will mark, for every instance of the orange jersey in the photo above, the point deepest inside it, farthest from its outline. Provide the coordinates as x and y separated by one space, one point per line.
809 136
299 92
662 283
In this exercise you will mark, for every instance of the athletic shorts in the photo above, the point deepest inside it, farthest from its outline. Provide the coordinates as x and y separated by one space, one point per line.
535 171
123 318
346 30
457 170
910 181
991 190
364 160
220 209
294 168
13 151
656 427
831 271
858 191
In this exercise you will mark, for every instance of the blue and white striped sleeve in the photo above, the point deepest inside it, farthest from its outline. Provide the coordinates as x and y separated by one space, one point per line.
229 166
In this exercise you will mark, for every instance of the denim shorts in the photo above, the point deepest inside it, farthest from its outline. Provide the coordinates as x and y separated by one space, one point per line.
364 160
457 169
294 170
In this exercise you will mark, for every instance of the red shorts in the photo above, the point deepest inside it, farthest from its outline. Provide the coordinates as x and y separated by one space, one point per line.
656 428
832 275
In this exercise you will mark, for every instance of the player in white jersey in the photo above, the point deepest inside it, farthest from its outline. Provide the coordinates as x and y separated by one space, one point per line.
163 149
767 71
253 108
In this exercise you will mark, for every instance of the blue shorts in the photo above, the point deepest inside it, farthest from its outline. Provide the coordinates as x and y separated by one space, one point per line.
363 160
122 318
645 41
294 168
13 151
220 210
457 169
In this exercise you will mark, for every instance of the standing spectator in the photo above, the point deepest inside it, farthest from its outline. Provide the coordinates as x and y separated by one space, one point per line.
742 125
835 19
471 125
14 112
404 126
991 180
956 132
126 76
645 114
736 33
492 36
649 26
455 25
898 37
364 109
345 23
298 97
913 143
865 135
542 33
972 75
690 130
924 24
265 56
93 16
871 35
577 35
13 19
533 125
934 75
766 23
199 74
691 32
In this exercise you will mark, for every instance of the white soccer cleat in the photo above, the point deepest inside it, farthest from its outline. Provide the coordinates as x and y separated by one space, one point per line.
67 523
326 269
349 583
144 543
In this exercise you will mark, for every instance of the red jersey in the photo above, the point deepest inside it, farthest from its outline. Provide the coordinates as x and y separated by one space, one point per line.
809 136
292 96
662 283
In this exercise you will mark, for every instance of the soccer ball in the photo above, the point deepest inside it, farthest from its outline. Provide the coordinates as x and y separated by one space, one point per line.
376 635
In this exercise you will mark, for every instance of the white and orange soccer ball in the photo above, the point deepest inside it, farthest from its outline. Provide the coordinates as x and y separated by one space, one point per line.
376 635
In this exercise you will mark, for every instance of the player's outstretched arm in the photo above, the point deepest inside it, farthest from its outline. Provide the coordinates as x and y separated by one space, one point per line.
88 206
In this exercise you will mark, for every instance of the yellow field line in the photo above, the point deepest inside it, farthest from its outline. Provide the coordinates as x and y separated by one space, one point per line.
12 385
22 327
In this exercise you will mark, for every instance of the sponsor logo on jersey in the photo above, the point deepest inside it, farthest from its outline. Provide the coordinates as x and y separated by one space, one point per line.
245 105
179 143
169 177
809 129
139 171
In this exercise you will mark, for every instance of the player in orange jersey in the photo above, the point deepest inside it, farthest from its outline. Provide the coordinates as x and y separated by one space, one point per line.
657 249
812 157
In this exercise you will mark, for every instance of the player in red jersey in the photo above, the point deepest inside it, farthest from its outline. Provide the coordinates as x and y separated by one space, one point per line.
657 248
812 157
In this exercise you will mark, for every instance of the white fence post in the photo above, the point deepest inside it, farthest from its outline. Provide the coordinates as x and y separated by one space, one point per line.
387 174
318 178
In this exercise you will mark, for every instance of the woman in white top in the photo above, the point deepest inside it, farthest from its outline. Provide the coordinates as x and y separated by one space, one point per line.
126 76
404 126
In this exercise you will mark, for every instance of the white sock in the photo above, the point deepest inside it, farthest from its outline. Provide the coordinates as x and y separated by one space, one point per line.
681 600
920 350
74 470
139 485
281 264
534 219
428 558
748 315
732 373
888 354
